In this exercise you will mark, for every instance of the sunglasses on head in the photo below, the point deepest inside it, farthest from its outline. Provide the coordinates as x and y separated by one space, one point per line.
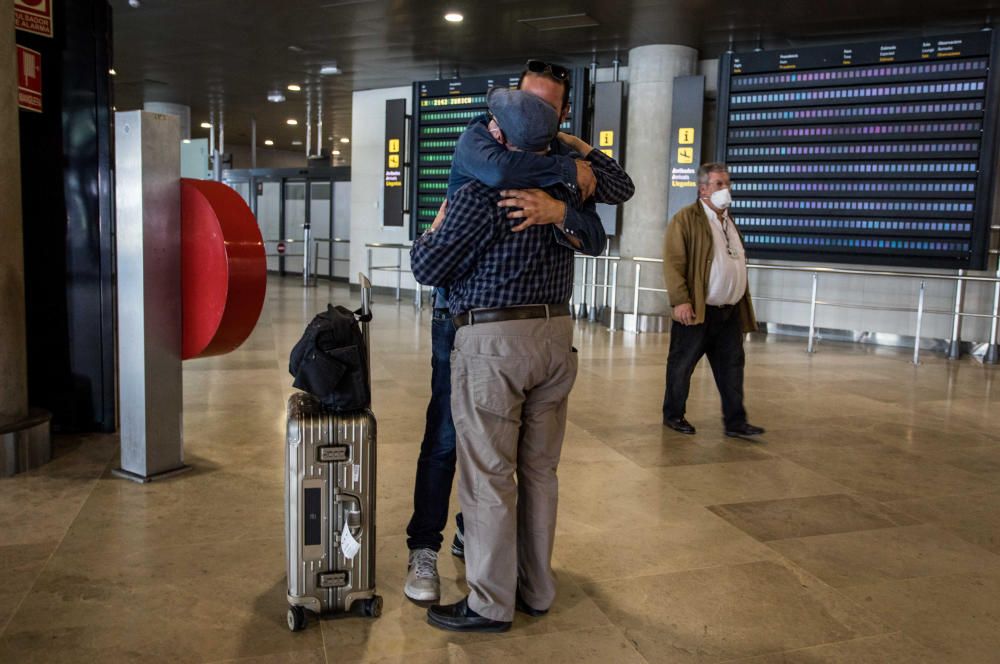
557 72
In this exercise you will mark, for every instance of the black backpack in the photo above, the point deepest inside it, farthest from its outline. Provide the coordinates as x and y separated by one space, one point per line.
330 361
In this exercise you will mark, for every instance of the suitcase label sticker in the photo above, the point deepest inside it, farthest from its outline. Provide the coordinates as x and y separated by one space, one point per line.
348 545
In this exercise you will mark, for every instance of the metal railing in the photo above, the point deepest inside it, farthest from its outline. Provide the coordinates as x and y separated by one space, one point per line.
331 259
957 313
397 268
309 276
585 307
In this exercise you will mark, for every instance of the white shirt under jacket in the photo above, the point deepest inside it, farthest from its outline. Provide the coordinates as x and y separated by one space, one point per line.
727 280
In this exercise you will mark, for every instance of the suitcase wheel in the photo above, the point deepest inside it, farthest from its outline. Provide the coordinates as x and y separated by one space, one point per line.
296 618
373 607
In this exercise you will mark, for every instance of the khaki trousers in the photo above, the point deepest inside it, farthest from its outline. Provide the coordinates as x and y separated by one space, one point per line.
510 384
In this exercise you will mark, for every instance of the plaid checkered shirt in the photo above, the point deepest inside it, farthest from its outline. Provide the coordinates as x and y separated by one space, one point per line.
486 265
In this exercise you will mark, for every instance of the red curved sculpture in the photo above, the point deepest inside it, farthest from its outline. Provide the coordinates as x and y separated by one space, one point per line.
223 269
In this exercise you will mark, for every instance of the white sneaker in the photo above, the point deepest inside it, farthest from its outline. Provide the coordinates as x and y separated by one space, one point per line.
422 581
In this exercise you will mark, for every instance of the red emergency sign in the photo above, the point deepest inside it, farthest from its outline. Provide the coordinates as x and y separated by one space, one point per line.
33 16
29 79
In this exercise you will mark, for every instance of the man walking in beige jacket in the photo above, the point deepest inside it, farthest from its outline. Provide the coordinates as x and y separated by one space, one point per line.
705 270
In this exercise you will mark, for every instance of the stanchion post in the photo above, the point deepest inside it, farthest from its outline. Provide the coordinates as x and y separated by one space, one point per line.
635 298
306 254
920 320
592 312
581 311
810 345
614 294
955 347
399 272
992 355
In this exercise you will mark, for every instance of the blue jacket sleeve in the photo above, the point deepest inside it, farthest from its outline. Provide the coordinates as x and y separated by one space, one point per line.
585 224
479 157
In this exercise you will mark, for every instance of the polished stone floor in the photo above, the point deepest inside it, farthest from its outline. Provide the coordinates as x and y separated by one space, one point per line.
863 528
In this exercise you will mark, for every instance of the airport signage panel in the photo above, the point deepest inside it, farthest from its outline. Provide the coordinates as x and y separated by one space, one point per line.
607 137
395 139
687 110
442 111
878 153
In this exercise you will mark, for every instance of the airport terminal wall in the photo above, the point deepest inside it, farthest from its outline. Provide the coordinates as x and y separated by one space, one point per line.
773 290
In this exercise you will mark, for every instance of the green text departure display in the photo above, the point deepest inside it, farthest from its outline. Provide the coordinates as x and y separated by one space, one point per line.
876 153
443 111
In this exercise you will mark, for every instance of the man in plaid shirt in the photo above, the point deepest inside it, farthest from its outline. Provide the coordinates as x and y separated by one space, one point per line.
569 163
512 370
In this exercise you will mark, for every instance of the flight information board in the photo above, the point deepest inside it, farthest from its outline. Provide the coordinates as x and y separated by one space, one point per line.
443 109
878 153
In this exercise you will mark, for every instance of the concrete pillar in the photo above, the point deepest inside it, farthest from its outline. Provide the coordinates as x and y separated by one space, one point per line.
650 95
166 108
13 359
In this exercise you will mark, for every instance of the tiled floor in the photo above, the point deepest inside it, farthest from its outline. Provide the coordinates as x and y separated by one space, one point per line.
863 528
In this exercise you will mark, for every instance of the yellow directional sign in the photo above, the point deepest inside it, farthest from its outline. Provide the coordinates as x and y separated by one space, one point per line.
394 161
607 138
393 145
685 155
685 135
607 152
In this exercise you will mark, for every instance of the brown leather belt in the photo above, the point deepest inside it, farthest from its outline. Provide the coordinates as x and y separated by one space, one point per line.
525 312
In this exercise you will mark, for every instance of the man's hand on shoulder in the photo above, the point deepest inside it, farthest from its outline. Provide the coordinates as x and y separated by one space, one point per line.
537 207
684 314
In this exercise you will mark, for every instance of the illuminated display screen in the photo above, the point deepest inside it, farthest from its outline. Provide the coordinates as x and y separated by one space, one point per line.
443 111
877 153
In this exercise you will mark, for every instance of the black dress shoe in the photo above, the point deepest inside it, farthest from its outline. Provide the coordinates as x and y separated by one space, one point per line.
459 617
522 606
679 424
745 429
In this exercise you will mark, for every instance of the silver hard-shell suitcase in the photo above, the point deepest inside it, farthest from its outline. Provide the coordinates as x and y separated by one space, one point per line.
330 464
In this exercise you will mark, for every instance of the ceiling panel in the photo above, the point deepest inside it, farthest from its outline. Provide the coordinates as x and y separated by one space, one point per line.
227 54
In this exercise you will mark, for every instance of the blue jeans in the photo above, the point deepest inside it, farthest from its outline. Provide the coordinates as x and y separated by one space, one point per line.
436 464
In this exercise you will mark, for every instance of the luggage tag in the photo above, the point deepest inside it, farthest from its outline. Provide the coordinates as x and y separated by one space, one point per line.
348 545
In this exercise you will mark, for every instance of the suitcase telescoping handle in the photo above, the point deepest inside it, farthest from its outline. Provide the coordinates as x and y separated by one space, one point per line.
366 310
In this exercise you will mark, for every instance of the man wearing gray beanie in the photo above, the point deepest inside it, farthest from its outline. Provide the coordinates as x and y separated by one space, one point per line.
512 369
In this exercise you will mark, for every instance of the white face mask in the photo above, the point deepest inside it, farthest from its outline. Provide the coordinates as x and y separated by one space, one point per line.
721 198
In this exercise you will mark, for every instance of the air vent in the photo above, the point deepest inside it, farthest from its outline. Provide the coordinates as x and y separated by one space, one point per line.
342 3
564 22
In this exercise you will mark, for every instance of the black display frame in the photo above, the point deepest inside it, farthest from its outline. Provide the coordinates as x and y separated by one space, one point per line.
458 88
816 68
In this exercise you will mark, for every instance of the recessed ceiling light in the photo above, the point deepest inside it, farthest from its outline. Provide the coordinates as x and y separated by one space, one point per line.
206 125
291 121
269 142
294 87
345 140
296 142
335 153
112 72
329 70
453 17
276 96
186 140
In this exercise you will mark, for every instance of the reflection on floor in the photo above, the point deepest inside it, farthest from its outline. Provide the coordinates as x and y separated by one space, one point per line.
864 527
